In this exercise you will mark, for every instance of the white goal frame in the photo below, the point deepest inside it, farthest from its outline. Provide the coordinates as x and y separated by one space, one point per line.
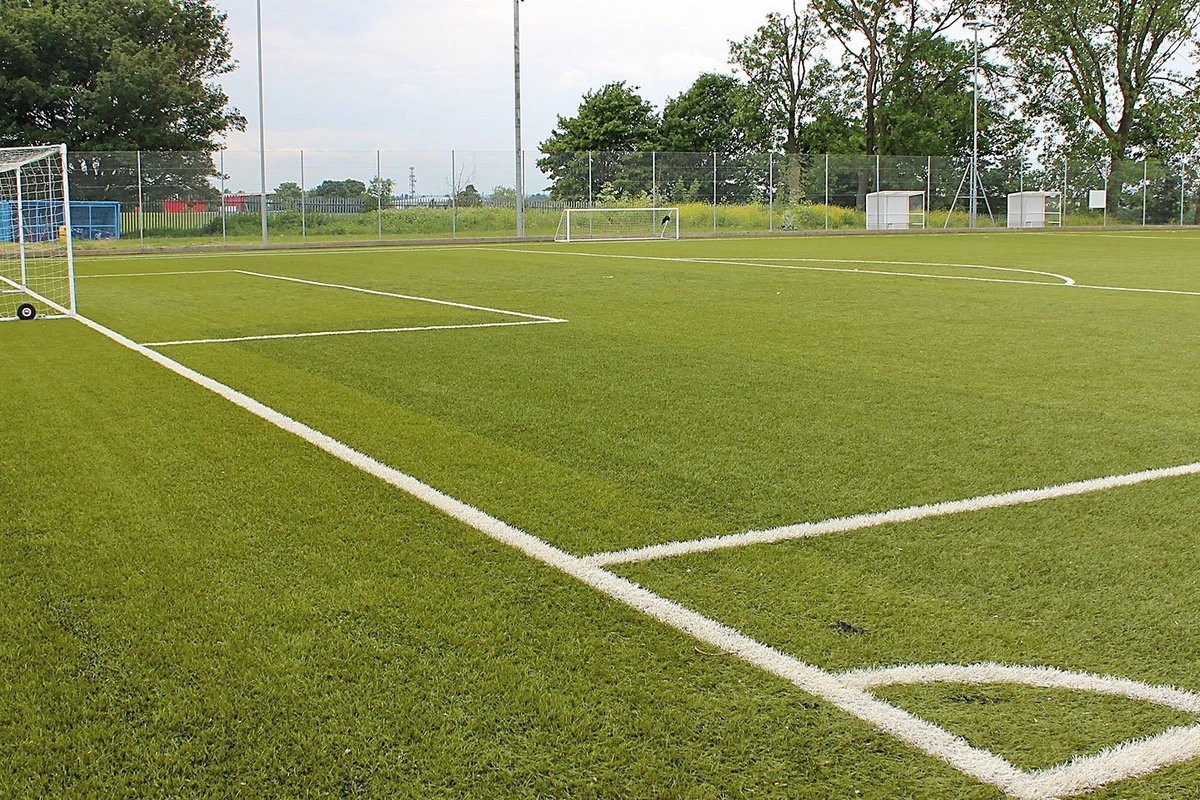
614 224
37 261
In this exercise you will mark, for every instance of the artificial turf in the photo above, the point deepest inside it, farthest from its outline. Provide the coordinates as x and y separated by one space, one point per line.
199 605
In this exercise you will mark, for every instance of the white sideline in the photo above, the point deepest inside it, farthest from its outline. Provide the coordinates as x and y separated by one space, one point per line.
834 689
807 530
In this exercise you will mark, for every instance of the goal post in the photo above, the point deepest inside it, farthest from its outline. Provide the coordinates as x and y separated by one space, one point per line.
611 224
37 270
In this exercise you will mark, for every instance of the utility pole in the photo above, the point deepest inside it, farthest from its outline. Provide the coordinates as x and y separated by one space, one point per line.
262 131
520 157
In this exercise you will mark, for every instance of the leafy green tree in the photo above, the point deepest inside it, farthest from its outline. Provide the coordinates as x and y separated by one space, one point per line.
503 195
1105 66
882 41
611 121
117 75
289 190
717 115
794 88
378 192
469 196
348 188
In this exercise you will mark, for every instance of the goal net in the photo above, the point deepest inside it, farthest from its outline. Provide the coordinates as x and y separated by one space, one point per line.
607 224
37 275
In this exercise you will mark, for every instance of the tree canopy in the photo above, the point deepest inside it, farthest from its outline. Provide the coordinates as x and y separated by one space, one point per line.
717 114
114 74
1111 68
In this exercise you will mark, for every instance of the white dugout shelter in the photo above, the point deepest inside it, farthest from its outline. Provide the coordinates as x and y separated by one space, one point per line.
1034 209
895 210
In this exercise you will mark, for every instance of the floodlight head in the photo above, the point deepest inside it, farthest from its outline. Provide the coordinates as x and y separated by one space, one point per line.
977 24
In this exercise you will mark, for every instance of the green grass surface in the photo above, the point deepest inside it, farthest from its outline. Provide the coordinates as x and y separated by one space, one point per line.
197 604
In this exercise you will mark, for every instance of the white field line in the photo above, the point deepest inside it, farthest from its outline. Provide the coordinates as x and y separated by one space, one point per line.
27 291
1083 773
931 739
163 274
1183 292
352 332
378 293
1065 281
807 530
324 285
91 257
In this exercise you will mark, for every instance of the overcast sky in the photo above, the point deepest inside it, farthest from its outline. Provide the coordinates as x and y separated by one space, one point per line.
434 75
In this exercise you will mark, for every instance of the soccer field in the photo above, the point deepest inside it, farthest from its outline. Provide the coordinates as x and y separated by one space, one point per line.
811 517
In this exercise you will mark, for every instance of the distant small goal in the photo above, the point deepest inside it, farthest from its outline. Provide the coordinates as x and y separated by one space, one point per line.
611 224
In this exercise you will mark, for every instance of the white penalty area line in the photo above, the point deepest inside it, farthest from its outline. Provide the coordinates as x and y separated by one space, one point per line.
309 335
379 293
1060 280
808 530
842 692
526 319
342 286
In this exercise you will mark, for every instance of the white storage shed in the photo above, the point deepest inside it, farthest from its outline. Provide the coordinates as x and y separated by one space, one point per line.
895 210
1034 209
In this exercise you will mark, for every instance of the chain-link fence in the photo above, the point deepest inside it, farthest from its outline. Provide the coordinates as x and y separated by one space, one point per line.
313 196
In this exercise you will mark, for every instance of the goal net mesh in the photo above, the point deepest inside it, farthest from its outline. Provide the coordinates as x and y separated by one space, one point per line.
600 224
36 266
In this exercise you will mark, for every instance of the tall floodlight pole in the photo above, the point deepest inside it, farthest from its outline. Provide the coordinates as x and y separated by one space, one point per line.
262 131
975 25
520 182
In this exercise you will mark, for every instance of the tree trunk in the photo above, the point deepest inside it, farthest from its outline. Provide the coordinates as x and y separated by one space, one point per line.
794 173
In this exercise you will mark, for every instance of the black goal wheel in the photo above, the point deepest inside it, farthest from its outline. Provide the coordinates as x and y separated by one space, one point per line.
26 311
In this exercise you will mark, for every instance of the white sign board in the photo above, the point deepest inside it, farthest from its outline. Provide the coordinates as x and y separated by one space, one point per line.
1097 198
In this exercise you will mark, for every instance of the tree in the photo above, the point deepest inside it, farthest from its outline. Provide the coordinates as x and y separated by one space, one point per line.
717 115
117 75
348 188
1104 65
785 75
791 84
378 192
289 190
468 196
610 121
880 38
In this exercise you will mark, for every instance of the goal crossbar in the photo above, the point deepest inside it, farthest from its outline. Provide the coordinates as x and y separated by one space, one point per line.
613 224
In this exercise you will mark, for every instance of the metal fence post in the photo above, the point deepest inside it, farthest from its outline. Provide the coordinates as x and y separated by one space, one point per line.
1182 184
453 196
303 203
591 201
714 155
379 191
771 192
141 204
1145 188
827 191
1066 167
224 233
654 178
